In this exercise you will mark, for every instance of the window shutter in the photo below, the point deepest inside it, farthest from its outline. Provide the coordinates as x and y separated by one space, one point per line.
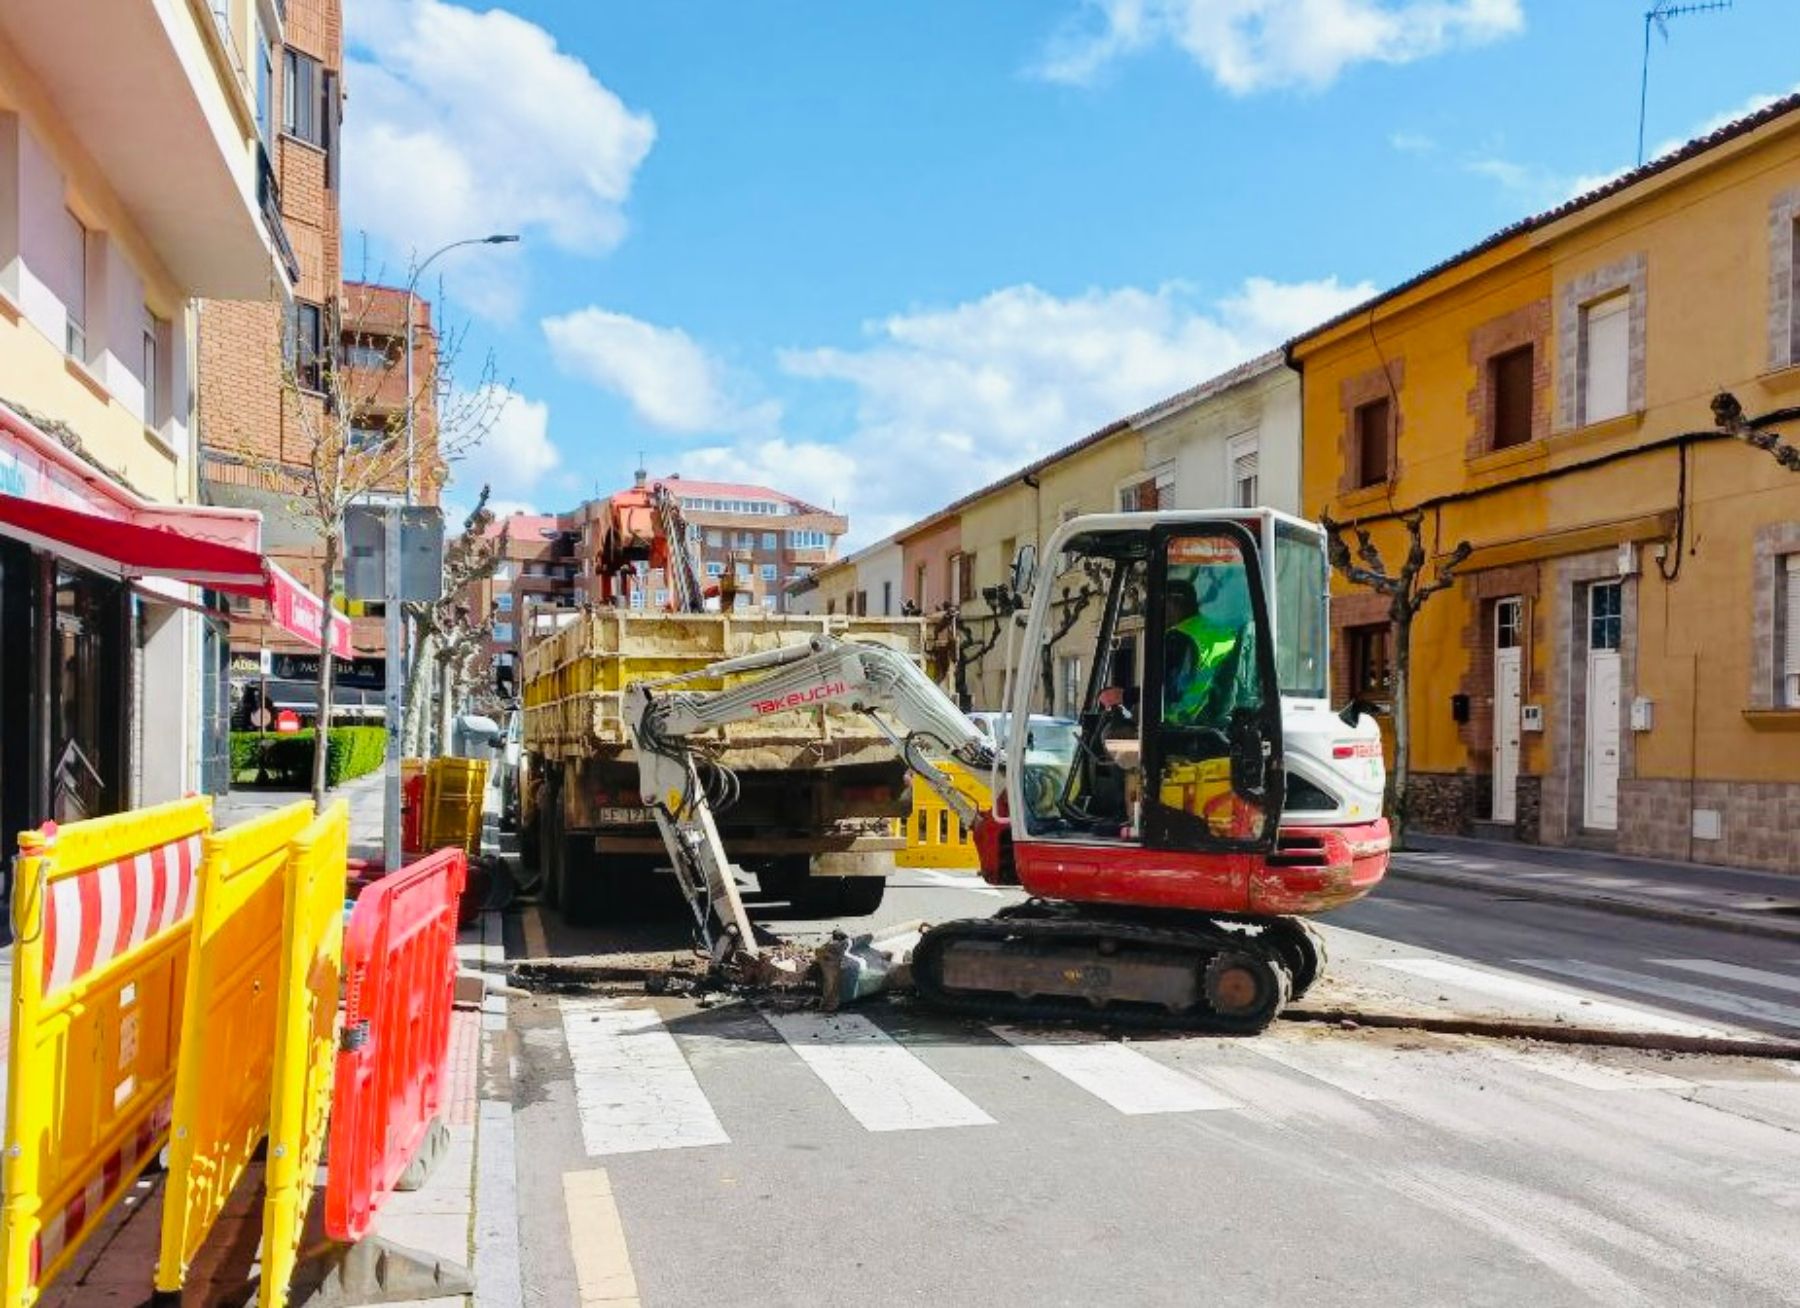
1790 665
1606 331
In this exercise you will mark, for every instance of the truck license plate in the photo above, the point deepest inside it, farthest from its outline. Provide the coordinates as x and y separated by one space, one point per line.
624 816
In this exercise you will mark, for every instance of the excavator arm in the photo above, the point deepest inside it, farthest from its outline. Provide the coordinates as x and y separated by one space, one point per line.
683 783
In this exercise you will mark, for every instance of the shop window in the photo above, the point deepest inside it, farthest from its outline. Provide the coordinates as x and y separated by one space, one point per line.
1371 662
1509 382
1374 426
1604 360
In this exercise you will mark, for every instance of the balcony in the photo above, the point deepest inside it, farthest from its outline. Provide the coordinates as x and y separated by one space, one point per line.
154 94
268 195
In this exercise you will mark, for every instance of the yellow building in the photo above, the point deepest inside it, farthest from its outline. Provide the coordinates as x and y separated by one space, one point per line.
1619 661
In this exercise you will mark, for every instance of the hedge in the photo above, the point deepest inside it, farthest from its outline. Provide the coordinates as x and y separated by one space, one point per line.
287 760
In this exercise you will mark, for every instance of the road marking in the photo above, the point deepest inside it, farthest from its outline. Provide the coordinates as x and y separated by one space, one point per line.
634 1090
497 1275
603 1274
1117 1074
1547 999
1355 1072
1584 1072
1754 976
879 1082
1680 991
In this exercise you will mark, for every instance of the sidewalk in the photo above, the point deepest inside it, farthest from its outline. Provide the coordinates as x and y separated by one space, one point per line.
1730 899
466 1213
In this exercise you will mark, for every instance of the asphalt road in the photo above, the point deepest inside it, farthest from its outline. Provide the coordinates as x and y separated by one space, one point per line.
751 1154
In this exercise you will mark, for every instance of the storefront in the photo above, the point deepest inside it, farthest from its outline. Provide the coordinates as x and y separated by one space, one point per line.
112 634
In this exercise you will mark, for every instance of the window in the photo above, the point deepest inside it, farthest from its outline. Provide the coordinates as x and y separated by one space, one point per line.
1374 427
1507 621
769 540
265 83
306 345
637 598
887 599
742 572
806 540
919 586
503 601
365 435
1302 600
75 287
715 569
862 603
504 572
1790 651
302 104
1155 491
1794 294
152 400
367 355
768 572
768 602
746 540
662 598
830 606
693 531
1371 668
1242 452
1509 385
715 538
1068 686
503 632
1606 614
1604 362
959 577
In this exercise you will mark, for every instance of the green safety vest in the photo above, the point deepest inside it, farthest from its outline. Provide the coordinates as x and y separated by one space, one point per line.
1184 703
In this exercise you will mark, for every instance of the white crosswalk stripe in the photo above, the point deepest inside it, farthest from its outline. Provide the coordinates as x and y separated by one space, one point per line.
1718 1001
633 1088
1531 1000
1116 1074
1754 976
879 1082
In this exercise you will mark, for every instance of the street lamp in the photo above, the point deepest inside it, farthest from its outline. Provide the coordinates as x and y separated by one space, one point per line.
499 238
393 625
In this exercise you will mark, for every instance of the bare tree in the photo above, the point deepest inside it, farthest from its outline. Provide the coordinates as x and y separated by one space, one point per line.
1407 589
448 632
1759 431
1074 602
351 419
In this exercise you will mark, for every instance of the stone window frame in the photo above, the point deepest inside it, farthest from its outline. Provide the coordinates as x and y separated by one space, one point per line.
1565 782
1631 275
1527 325
1784 279
1774 544
1379 383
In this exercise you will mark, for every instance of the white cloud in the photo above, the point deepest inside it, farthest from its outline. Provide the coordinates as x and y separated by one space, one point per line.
513 458
668 378
463 123
1256 45
949 399
1412 142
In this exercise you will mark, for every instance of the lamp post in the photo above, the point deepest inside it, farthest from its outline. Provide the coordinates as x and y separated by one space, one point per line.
392 622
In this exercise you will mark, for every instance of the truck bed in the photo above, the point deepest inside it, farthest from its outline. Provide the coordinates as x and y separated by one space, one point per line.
574 679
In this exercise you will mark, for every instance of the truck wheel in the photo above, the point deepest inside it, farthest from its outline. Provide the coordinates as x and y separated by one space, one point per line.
860 896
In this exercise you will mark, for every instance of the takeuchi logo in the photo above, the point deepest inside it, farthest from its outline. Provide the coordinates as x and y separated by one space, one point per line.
801 698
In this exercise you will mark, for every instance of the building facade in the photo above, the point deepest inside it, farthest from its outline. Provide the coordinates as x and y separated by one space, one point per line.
129 185
539 580
1618 662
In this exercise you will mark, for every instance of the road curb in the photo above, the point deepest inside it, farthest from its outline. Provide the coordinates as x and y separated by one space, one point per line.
1550 1033
1734 922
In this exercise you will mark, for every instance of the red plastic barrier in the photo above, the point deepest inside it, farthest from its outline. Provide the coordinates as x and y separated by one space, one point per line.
399 985
412 811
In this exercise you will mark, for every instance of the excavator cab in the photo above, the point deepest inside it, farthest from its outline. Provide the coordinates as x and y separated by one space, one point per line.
1152 635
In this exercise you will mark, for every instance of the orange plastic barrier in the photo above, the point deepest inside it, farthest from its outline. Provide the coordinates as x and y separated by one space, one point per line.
228 1028
101 911
312 938
400 983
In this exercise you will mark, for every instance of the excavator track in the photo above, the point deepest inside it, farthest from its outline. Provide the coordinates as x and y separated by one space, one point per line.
1047 962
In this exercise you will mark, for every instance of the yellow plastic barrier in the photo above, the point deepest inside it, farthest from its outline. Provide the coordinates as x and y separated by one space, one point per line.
453 799
228 1044
100 908
312 968
934 834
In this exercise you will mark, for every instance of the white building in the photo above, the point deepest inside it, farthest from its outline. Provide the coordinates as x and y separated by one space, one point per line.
1230 441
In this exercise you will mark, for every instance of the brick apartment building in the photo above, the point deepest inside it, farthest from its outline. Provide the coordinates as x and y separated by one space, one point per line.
539 579
253 427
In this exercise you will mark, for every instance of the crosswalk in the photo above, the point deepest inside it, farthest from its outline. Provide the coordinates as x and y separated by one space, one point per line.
642 1087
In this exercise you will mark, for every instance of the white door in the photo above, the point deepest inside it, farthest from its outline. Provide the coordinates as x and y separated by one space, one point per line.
1506 733
1600 801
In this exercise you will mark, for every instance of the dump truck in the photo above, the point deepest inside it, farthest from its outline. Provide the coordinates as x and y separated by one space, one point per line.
804 794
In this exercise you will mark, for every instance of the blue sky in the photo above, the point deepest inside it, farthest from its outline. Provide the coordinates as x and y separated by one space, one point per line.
877 254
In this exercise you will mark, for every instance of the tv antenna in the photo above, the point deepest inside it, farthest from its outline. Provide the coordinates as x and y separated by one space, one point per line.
1658 16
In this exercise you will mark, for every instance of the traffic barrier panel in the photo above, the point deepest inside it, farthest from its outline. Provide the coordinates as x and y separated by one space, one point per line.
453 800
312 938
399 988
100 914
935 836
228 1043
412 809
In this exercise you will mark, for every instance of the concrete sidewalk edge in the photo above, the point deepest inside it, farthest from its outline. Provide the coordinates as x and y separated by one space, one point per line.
1741 923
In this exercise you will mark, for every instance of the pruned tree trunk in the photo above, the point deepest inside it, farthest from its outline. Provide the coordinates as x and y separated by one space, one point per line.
1399 792
327 671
